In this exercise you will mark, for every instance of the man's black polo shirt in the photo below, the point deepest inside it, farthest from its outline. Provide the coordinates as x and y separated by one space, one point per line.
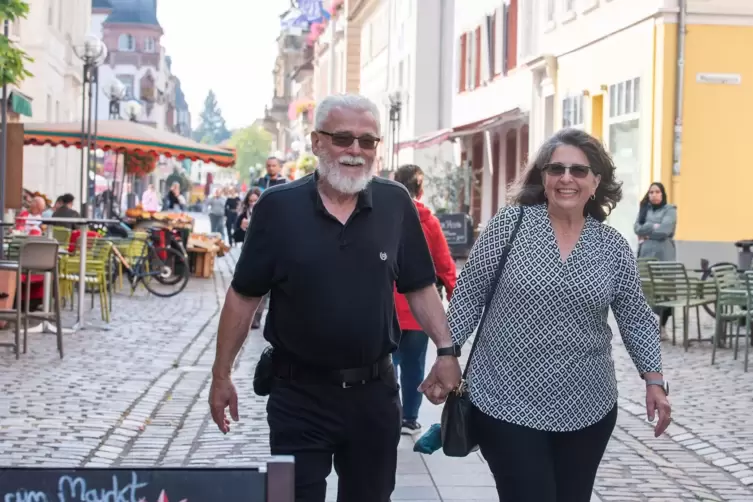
332 297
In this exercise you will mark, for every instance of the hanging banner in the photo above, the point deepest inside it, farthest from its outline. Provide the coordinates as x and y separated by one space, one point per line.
313 11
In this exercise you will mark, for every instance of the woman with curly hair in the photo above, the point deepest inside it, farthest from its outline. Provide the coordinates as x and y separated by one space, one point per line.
542 379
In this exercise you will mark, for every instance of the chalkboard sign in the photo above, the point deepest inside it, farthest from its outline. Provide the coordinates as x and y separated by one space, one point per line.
455 228
146 485
458 230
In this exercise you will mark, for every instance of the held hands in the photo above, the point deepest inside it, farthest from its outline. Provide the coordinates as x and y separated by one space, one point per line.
657 402
443 378
244 224
222 395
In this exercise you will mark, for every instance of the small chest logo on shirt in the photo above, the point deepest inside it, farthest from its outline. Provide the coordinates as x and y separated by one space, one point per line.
383 256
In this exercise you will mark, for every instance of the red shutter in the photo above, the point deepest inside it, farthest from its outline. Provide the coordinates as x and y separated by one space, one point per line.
477 63
512 35
493 45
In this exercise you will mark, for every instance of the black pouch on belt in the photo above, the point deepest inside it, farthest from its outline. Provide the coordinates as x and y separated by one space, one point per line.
264 373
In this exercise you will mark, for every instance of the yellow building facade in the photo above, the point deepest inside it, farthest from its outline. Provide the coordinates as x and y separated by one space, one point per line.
611 69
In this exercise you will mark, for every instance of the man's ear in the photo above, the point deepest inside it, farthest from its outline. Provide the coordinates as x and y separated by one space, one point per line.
315 142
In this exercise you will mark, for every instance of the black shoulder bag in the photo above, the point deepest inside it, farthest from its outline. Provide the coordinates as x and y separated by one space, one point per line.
457 438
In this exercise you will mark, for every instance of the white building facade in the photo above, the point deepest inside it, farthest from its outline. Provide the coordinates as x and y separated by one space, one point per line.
406 56
48 35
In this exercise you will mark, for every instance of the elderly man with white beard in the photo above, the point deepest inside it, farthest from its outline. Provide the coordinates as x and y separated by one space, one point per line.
329 248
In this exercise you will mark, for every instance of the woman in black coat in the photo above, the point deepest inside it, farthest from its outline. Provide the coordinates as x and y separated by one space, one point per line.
244 217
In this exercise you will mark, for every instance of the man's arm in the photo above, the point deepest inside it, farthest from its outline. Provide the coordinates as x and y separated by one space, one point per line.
235 321
429 312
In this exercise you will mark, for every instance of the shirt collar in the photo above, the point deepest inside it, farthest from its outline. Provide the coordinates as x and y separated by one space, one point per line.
365 197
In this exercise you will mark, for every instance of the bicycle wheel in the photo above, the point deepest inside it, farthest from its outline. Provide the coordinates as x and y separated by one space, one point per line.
706 276
166 272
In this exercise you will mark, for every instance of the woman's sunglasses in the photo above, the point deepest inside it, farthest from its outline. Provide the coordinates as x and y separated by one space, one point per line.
558 169
344 140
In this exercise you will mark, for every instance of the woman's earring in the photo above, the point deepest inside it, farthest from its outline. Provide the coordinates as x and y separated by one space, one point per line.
593 197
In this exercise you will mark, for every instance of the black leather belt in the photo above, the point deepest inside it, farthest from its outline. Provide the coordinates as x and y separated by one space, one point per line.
344 378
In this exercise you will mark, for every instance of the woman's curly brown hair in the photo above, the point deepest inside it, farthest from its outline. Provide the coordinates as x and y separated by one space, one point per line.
528 189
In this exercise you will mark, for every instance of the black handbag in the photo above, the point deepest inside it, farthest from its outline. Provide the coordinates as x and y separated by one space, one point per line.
457 438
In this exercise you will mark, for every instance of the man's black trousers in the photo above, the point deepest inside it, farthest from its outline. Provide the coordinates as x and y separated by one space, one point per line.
358 427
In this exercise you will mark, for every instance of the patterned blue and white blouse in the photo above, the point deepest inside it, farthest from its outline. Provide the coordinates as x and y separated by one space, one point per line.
544 357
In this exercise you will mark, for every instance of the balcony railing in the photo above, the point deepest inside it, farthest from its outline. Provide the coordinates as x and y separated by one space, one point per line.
133 58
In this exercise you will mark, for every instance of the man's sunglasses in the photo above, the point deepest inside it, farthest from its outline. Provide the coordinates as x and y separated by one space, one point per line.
559 169
344 140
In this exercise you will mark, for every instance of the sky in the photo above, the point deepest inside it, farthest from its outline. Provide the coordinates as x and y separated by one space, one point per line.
225 45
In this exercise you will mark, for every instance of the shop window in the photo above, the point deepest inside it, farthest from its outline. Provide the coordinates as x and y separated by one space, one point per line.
572 111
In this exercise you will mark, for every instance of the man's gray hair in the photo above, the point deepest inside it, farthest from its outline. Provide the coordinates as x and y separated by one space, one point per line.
346 101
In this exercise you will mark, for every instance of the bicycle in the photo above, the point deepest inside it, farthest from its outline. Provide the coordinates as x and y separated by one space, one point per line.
744 261
155 267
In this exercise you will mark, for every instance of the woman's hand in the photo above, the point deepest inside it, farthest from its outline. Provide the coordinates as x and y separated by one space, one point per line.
244 224
657 402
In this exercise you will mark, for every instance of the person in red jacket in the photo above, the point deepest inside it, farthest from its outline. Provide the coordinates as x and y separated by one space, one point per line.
410 357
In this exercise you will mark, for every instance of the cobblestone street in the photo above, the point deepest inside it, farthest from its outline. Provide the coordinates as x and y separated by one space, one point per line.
134 393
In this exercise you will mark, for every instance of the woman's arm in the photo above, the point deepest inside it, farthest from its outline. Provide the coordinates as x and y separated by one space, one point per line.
642 229
667 226
476 276
638 326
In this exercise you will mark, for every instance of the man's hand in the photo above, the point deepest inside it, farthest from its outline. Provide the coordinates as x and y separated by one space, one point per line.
656 401
443 378
222 395
244 224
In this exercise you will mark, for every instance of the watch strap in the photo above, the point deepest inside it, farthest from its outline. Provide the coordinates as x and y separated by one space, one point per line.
449 351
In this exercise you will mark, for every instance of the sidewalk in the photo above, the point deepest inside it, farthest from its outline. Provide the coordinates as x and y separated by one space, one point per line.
134 393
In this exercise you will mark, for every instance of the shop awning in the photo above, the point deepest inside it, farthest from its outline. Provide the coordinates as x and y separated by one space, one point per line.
438 137
19 103
129 137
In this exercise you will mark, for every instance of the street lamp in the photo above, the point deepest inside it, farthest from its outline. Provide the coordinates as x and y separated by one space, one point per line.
115 92
133 110
92 52
395 103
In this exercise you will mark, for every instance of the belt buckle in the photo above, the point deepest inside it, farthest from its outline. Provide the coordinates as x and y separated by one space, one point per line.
346 385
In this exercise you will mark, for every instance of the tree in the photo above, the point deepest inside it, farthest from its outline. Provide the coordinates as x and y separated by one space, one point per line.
12 58
212 130
252 145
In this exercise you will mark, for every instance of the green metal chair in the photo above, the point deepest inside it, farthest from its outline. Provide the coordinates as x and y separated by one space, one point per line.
673 288
734 304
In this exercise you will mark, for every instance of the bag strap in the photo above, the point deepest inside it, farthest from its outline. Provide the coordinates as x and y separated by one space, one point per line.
493 287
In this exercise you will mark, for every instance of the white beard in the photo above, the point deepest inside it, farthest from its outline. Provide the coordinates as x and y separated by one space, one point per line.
337 179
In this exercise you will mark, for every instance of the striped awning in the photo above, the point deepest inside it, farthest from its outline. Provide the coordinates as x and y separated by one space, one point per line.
129 137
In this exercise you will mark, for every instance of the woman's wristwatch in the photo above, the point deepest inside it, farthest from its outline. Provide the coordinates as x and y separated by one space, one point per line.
661 383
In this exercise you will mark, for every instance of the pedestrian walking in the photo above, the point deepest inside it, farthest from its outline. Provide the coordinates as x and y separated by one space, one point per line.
244 216
410 356
329 247
232 207
542 379
216 209
655 228
273 176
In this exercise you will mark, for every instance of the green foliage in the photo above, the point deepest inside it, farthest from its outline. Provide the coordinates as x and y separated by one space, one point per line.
212 130
12 58
252 145
181 177
447 185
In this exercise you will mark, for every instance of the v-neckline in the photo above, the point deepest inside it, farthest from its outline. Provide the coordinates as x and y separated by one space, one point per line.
553 234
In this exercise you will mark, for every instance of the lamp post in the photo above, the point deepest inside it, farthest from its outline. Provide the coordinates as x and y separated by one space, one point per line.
116 93
396 104
133 110
93 53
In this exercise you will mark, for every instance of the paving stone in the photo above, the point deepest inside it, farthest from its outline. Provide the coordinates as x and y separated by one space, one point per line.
134 393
